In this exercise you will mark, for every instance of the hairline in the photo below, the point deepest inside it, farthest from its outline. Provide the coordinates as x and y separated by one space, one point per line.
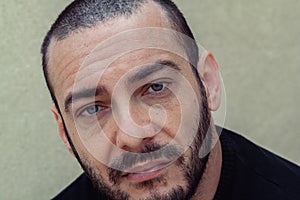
56 38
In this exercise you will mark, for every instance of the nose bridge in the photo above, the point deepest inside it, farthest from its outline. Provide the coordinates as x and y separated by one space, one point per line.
139 113
131 116
133 124
128 132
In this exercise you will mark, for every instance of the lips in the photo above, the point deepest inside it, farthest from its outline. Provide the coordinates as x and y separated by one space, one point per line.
145 171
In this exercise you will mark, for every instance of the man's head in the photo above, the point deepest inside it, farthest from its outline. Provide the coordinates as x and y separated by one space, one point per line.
128 97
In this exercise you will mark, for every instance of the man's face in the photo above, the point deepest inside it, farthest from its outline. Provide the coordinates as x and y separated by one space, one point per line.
135 114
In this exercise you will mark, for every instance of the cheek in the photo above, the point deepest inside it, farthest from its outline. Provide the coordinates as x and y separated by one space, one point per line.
96 169
91 153
182 120
90 143
173 117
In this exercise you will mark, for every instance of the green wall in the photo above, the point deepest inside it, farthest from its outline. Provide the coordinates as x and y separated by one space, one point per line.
256 44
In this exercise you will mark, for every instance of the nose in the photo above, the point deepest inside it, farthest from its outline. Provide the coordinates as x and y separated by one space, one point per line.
131 143
134 129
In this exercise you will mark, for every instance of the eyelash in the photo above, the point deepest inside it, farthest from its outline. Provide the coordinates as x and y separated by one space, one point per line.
164 86
98 109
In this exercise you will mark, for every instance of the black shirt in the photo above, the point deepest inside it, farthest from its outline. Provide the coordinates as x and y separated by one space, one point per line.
248 172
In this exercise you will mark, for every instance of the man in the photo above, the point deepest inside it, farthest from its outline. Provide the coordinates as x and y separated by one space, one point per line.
133 96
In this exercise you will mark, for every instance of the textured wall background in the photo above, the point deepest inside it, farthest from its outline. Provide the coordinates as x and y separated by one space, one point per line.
256 43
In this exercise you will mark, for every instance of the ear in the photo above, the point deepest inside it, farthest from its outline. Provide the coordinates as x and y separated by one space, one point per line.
61 128
209 73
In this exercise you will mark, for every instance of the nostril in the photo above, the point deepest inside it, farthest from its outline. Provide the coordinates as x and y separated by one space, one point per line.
127 142
147 140
130 143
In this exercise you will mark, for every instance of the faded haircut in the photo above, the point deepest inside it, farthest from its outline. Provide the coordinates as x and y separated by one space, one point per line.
84 14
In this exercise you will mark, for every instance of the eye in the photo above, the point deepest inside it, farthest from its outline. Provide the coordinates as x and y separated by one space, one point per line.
91 110
156 87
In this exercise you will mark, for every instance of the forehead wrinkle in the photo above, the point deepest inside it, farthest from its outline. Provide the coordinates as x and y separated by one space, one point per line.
72 97
66 66
92 72
73 59
57 70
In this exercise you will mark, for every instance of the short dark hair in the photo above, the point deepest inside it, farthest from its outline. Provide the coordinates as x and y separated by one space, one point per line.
81 14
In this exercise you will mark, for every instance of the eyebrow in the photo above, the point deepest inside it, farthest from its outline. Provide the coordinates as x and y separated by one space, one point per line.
146 70
150 69
84 93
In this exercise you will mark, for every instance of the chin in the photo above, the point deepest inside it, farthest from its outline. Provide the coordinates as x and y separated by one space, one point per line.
167 184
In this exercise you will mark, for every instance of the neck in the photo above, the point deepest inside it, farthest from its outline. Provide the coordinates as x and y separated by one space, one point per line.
210 179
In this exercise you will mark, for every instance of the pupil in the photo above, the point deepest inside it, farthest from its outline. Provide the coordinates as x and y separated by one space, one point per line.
157 87
93 109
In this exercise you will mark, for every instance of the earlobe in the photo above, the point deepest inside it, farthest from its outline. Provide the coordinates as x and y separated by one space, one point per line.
209 74
61 128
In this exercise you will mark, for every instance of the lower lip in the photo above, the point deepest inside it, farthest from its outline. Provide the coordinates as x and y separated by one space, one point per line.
140 177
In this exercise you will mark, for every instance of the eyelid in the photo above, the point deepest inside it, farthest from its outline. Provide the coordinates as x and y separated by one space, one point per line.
84 108
88 114
147 87
161 80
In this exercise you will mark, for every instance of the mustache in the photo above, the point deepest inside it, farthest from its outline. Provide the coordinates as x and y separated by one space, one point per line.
150 152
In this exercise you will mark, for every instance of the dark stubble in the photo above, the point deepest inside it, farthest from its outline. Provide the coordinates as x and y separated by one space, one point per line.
192 167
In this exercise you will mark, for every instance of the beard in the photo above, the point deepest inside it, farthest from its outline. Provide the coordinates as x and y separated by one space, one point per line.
192 165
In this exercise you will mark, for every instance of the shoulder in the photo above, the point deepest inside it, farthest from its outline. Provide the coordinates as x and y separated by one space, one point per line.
259 172
81 188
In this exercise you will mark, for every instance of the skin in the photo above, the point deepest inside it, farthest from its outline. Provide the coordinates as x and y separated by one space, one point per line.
66 61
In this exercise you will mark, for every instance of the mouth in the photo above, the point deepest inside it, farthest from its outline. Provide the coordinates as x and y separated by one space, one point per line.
145 171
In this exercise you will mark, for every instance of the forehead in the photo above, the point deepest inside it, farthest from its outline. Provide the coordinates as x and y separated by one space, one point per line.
82 41
106 41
